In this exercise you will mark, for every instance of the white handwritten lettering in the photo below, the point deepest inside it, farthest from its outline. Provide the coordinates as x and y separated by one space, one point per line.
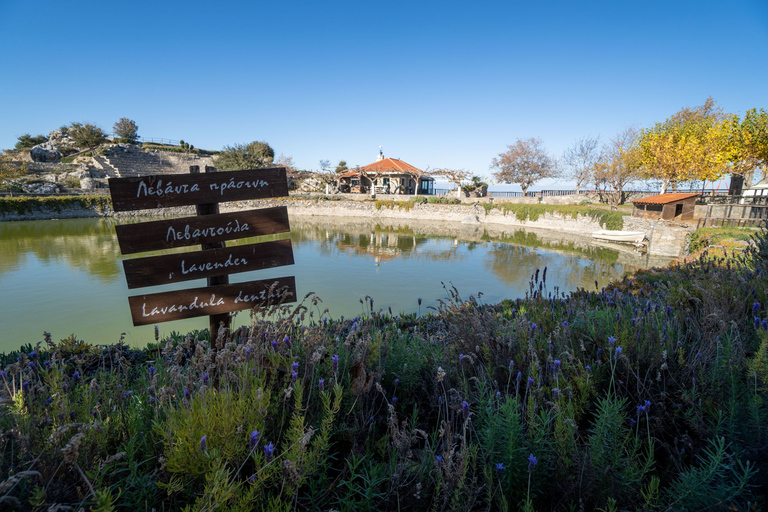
169 189
230 262
174 308
188 233
223 187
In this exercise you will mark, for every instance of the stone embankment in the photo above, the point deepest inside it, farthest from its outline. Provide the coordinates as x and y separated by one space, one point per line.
665 238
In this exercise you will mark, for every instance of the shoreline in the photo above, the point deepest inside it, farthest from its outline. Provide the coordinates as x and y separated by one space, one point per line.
668 239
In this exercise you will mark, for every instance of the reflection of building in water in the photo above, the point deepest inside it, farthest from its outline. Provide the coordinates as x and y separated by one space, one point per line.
382 246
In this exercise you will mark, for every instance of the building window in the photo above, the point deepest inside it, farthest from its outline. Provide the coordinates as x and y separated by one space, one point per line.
355 182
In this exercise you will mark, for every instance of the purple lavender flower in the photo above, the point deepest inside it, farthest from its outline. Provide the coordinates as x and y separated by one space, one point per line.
294 376
397 381
565 323
500 466
295 366
533 327
48 400
325 321
151 370
588 368
765 325
439 459
618 351
757 322
151 400
253 439
247 351
75 376
287 340
394 400
269 451
32 354
519 376
557 365
611 340
274 344
555 393
186 393
203 443
205 378
465 407
532 461
461 357
599 351
511 364
618 315
335 362
530 381
321 385
755 308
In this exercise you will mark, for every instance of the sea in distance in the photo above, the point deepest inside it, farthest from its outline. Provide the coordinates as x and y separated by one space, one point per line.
66 276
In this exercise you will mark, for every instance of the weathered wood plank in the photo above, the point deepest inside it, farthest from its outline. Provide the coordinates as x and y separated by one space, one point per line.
213 300
165 190
174 268
183 232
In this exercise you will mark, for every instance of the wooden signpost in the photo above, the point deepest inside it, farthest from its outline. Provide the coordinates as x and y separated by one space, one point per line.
209 229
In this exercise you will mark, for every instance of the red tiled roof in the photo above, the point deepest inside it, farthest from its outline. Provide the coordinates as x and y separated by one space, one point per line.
664 198
391 165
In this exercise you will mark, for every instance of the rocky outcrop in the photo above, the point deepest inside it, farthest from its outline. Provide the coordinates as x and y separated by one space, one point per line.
40 188
63 142
45 152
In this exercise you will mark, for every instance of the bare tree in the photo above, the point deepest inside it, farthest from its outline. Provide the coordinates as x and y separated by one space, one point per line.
525 162
619 165
455 176
581 159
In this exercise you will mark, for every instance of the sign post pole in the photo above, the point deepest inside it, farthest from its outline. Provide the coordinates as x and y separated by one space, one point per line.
212 209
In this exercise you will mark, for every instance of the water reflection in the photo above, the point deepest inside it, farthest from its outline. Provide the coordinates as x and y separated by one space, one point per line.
65 275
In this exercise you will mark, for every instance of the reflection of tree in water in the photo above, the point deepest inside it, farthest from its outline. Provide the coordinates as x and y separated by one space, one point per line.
516 264
84 244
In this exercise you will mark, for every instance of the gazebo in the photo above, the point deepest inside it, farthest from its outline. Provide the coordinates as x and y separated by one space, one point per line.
387 176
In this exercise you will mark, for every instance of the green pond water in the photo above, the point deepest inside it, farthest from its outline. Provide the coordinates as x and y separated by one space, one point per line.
66 276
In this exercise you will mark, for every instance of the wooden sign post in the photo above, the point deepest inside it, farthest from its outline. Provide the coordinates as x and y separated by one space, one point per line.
211 230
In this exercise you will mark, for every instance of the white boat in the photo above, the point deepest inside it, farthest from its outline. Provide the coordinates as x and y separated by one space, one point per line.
634 237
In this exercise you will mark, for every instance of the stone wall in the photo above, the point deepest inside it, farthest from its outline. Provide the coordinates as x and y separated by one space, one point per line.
123 160
666 238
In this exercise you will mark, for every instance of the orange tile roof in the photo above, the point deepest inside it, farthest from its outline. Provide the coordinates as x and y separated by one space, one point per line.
391 165
664 198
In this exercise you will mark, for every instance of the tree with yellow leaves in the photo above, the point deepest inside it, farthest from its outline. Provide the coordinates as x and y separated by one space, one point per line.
690 145
747 148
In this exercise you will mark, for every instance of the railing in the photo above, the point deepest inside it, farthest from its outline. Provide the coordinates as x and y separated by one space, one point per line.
170 142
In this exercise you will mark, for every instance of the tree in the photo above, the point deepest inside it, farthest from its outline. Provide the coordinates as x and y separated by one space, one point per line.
10 171
748 144
342 167
26 141
87 136
287 162
690 145
455 176
126 130
245 156
581 159
619 164
525 162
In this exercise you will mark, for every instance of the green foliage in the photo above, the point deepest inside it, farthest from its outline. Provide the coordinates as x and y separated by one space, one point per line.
27 141
443 200
706 237
126 130
253 155
10 170
651 394
24 205
87 135
608 219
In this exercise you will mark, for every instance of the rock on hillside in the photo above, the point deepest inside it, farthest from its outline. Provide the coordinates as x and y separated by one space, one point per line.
45 152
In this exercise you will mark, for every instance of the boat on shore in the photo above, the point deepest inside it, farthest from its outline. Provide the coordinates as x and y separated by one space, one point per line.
633 237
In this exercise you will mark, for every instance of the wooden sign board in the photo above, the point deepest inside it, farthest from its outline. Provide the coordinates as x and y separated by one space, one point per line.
210 230
162 191
205 229
174 268
177 305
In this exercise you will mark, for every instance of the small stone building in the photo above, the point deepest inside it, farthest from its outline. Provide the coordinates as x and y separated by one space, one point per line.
666 207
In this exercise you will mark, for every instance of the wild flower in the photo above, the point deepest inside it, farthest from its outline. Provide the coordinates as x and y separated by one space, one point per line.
465 408
204 443
186 392
530 381
48 400
394 400
295 366
588 368
519 376
565 323
287 340
599 351
618 315
500 466
32 354
555 393
397 381
253 439
321 385
335 362
765 326
618 351
151 371
75 376
439 459
611 340
294 376
532 461
511 364
269 451
274 344
557 365
755 308
205 378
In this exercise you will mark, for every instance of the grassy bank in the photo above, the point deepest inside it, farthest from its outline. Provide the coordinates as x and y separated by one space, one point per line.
651 394
28 205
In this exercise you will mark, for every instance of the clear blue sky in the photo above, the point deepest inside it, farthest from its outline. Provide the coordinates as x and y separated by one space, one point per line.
437 84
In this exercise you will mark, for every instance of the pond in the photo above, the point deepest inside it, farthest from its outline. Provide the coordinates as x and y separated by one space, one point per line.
66 276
